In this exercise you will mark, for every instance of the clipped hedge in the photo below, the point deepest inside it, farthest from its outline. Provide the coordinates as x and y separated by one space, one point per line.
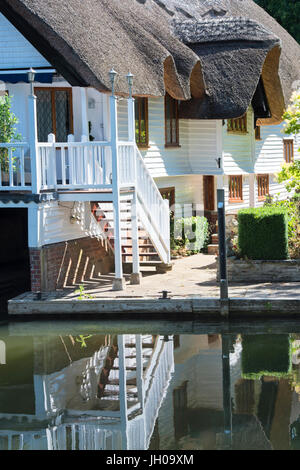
191 232
263 233
266 355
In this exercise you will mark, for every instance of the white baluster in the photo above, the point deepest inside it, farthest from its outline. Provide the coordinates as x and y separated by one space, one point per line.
22 166
71 139
63 166
52 176
34 151
11 169
84 166
103 151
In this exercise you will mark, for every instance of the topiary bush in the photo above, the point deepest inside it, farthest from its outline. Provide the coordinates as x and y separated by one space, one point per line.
190 233
263 233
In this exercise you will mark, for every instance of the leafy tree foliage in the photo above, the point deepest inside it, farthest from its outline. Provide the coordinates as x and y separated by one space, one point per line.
291 172
286 12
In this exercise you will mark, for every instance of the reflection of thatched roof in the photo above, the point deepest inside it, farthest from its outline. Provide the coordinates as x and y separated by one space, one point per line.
199 48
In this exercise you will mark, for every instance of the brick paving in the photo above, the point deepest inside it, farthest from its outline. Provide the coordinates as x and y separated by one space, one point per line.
191 276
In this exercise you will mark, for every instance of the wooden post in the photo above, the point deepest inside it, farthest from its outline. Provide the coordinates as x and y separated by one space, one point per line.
131 119
33 141
84 113
72 179
136 274
119 281
140 381
222 254
168 230
2 353
139 371
123 391
52 161
86 168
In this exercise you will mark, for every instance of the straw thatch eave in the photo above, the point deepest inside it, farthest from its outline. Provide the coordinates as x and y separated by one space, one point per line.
83 41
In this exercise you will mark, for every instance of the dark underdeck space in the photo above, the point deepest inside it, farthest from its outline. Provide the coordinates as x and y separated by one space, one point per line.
14 255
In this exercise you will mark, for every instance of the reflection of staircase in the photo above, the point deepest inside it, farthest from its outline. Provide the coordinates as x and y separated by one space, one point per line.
109 381
104 215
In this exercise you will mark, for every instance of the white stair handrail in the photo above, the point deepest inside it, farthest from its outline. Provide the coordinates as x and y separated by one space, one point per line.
155 213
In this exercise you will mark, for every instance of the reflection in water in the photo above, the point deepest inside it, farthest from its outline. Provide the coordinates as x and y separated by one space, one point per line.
86 393
2 353
138 392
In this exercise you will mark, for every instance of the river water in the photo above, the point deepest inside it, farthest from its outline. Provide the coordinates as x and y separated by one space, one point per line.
140 386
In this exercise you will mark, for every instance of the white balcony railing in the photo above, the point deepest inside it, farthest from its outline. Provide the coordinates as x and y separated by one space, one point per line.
15 169
75 165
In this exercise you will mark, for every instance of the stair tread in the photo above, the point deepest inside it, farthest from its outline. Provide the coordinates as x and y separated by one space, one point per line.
140 254
140 246
148 263
117 381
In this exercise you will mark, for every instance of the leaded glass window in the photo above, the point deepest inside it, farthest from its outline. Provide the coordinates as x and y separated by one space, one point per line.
54 113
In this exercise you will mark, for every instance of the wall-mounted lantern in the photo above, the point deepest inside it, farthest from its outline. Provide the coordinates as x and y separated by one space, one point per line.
31 77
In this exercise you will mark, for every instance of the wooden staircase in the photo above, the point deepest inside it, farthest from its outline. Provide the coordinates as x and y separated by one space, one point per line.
104 214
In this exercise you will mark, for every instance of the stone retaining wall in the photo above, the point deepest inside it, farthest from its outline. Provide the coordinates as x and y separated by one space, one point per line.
262 271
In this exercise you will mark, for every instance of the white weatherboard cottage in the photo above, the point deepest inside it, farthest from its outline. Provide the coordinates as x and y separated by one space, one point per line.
95 171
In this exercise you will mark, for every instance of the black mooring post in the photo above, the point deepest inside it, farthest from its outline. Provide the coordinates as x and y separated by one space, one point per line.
222 253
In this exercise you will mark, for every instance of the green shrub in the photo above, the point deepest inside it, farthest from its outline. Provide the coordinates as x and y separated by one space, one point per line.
192 233
268 355
263 233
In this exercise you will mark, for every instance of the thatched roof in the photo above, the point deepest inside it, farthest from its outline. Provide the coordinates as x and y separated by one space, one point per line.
201 49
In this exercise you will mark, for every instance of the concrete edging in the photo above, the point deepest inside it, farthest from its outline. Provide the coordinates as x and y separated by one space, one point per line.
189 306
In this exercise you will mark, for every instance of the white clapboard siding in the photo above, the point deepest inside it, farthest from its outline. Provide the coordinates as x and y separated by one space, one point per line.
15 50
56 225
269 151
188 191
163 161
19 94
203 141
197 138
239 149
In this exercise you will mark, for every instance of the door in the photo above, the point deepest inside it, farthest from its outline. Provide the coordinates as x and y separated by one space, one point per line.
209 202
209 193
